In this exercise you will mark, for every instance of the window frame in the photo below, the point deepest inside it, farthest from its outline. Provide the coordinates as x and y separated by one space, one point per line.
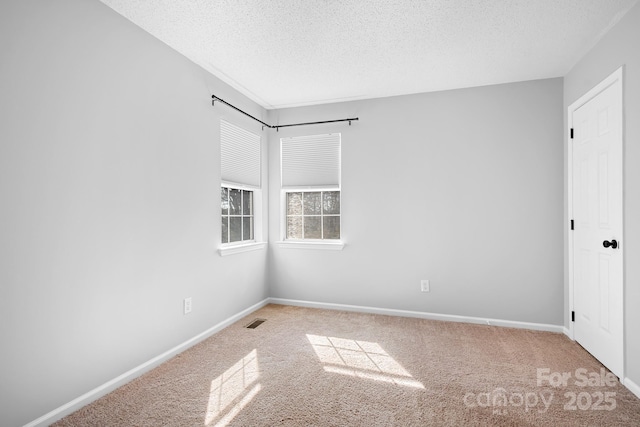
242 189
256 243
322 215
321 244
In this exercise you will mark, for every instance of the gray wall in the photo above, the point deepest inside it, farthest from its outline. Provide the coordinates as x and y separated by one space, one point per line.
620 48
462 187
109 184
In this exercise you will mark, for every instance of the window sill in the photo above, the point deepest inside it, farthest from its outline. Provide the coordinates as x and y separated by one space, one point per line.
236 249
324 246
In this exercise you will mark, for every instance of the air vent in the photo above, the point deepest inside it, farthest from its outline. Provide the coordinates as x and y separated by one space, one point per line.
255 323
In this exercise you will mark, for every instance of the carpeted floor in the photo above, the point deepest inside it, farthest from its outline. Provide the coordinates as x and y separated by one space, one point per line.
310 367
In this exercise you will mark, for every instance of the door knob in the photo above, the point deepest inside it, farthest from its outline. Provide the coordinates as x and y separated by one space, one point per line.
613 243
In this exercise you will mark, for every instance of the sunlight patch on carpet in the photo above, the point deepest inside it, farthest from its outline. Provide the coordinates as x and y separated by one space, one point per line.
232 386
224 421
407 382
361 359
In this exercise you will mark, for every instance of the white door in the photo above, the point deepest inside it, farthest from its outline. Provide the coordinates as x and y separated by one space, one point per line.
596 188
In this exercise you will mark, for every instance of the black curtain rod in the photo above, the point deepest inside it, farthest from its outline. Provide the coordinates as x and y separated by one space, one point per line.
276 127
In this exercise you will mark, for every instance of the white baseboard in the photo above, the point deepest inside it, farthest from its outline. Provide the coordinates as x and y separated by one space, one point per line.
109 386
421 315
633 387
113 384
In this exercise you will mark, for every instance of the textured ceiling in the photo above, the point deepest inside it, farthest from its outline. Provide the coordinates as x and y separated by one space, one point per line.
283 53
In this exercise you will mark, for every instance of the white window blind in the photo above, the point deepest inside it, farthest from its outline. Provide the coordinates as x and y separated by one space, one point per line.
239 155
311 161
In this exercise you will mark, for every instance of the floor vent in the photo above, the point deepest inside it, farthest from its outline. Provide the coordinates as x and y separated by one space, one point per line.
255 323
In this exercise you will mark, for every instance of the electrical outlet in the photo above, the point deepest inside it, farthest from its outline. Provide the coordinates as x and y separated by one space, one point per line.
424 285
187 305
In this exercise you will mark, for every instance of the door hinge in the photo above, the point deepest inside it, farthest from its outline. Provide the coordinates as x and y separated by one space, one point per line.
571 133
573 316
572 224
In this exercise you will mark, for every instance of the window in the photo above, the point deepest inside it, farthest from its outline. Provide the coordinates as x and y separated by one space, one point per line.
240 158
313 215
237 215
311 188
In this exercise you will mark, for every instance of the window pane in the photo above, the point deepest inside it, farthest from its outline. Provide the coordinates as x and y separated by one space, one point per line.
247 203
331 227
235 227
312 228
294 227
294 203
247 228
331 202
235 202
311 203
224 201
225 229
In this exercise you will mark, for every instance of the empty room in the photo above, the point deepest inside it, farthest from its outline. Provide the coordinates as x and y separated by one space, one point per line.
319 213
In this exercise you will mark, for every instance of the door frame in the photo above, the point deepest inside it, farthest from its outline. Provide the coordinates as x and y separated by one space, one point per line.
615 78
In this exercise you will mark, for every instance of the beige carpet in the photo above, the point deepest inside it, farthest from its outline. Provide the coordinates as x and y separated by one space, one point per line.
309 367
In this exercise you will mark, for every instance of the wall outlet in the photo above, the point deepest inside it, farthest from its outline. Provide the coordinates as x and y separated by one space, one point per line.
187 305
424 285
